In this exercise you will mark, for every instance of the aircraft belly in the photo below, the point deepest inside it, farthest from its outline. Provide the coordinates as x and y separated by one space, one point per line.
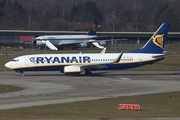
41 68
127 65
55 42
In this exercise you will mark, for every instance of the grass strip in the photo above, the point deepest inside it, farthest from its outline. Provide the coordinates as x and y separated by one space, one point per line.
8 88
162 105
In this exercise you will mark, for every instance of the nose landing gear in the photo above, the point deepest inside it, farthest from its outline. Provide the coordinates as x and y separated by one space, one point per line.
22 73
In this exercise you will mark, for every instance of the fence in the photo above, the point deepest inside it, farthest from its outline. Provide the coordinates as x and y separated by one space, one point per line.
171 46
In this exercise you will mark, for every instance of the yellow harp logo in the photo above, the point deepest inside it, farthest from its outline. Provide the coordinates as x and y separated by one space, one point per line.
158 40
94 27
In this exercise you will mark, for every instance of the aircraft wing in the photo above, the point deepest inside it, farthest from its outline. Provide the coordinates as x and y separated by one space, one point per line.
93 39
94 66
101 65
96 40
50 45
69 43
107 38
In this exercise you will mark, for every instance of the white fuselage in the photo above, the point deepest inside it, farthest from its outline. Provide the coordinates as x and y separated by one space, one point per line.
84 61
67 39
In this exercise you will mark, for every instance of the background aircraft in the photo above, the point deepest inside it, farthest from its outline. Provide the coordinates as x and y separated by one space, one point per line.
55 42
150 53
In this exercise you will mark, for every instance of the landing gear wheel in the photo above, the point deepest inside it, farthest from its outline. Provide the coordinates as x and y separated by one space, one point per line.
22 73
74 48
88 73
40 48
60 48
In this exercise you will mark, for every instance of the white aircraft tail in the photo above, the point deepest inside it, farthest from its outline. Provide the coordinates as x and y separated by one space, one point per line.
50 45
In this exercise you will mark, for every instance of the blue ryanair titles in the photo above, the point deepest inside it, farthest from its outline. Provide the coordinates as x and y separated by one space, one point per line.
73 59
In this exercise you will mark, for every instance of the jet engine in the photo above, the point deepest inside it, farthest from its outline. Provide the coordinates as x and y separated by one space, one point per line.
74 70
38 42
103 43
83 45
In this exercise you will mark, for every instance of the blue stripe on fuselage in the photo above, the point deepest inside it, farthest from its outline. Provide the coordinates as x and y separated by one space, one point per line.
109 66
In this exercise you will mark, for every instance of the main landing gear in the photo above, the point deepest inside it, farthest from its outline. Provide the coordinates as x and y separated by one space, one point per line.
88 73
22 73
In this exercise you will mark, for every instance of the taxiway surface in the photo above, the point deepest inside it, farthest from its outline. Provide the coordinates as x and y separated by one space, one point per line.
42 88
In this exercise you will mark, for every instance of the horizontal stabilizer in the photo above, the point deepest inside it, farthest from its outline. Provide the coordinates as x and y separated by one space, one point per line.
50 45
158 56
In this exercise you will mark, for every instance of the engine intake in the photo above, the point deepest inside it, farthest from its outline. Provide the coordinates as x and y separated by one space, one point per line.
103 43
38 42
72 70
83 45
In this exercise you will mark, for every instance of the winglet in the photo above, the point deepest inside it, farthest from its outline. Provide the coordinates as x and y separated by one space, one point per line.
103 51
93 27
118 58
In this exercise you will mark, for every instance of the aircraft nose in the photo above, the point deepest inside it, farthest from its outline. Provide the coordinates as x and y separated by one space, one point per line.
8 65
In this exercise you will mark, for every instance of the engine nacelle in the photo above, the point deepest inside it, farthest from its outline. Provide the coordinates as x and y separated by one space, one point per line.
38 42
83 45
73 70
103 43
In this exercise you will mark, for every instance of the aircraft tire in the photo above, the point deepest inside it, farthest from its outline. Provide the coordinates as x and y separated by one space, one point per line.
60 48
88 73
74 48
22 74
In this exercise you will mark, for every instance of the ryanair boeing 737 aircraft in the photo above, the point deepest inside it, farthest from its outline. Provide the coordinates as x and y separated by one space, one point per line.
150 53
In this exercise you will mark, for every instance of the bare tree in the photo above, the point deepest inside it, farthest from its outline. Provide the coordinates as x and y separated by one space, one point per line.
136 9
112 19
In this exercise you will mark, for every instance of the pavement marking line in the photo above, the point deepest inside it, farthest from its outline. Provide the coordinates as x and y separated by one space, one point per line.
123 78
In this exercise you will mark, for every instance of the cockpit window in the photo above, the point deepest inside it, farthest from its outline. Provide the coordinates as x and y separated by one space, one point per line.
15 60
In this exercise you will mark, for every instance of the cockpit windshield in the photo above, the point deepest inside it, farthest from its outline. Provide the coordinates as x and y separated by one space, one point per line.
15 60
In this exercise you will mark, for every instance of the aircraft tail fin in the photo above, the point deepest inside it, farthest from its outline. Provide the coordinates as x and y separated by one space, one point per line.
93 27
157 42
